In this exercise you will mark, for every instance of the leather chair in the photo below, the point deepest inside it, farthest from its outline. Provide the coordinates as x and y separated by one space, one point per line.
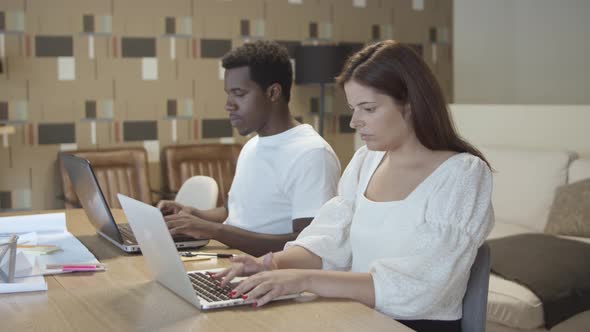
122 171
181 162
475 301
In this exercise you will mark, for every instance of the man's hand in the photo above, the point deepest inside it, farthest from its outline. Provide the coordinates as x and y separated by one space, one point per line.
187 224
171 207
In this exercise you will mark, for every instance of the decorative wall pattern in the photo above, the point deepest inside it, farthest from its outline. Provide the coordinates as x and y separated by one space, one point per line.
92 74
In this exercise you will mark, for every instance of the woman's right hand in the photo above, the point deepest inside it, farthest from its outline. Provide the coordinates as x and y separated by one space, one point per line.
246 265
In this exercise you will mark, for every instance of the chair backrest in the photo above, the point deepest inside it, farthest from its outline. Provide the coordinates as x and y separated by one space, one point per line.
475 301
122 171
218 161
199 191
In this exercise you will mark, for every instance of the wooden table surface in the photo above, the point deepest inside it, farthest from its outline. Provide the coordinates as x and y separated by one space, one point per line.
126 298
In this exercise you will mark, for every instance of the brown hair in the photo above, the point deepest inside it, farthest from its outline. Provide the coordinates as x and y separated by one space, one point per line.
396 70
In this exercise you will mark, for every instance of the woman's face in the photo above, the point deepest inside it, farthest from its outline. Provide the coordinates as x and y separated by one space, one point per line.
381 122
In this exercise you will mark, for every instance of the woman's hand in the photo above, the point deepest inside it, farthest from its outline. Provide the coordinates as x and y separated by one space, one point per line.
186 223
246 265
267 285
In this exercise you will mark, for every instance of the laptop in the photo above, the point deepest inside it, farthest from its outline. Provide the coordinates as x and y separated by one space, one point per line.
196 287
92 199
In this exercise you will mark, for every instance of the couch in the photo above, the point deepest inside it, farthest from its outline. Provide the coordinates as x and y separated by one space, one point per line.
525 181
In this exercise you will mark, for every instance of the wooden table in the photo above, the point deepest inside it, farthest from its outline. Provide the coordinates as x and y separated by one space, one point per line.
125 298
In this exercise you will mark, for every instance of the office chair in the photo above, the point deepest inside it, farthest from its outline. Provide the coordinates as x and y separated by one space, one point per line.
199 191
475 301
218 161
117 171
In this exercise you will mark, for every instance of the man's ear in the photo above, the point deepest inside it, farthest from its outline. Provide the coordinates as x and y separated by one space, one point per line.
274 92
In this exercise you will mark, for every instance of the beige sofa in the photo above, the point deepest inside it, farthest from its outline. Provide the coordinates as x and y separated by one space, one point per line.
524 185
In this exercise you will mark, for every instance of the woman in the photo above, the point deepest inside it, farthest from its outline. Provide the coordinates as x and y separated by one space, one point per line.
413 207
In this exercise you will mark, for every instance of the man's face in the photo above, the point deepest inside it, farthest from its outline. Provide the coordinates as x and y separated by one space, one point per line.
247 104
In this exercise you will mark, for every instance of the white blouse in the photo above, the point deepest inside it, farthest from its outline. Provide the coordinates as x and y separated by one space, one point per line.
419 250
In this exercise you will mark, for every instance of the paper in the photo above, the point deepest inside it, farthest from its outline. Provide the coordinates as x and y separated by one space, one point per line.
29 284
38 223
51 230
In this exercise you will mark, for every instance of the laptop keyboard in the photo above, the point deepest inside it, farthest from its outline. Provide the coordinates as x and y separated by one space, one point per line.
206 287
127 233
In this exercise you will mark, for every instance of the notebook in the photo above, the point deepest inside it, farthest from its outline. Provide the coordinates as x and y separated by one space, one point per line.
92 199
196 287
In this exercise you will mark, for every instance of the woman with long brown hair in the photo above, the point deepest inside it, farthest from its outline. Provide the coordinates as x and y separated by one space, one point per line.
414 205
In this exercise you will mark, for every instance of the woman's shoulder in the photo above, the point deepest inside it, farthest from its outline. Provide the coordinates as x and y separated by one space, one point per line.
465 163
363 154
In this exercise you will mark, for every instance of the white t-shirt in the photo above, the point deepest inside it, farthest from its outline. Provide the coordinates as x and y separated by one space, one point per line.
419 250
280 178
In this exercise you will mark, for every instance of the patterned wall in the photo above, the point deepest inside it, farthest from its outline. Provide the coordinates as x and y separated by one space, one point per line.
91 74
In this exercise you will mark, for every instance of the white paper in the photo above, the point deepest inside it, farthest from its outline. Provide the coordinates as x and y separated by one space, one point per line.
149 69
29 284
66 68
39 223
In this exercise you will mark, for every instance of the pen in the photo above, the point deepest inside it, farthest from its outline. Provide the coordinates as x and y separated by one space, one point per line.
191 254
74 266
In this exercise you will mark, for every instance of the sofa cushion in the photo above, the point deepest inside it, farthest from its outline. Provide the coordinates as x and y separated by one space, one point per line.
524 183
570 212
579 170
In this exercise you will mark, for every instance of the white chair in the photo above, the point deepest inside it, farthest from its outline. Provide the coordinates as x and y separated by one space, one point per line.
199 192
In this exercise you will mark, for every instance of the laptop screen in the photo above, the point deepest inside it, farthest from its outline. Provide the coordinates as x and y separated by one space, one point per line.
88 191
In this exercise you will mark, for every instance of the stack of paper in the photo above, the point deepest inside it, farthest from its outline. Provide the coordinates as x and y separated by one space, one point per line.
48 230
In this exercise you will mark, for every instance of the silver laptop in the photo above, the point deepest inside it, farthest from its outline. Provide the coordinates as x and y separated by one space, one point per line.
92 199
164 262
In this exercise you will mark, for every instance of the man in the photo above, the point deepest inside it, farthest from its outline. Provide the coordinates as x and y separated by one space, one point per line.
283 175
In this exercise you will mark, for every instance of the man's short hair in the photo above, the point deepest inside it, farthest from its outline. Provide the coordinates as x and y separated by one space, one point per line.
268 62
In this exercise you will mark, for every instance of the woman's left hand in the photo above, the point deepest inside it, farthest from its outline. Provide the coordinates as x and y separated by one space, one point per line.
268 285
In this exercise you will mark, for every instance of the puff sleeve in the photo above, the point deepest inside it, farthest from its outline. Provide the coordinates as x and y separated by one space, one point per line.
430 278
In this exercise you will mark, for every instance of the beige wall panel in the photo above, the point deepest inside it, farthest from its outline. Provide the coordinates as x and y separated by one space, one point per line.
353 24
13 90
19 138
83 135
55 92
56 22
38 69
285 21
141 26
59 111
46 182
4 158
13 45
410 26
109 69
343 146
104 133
6 5
15 178
154 8
68 6
165 132
221 19
34 110
167 71
139 111
183 132
138 90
